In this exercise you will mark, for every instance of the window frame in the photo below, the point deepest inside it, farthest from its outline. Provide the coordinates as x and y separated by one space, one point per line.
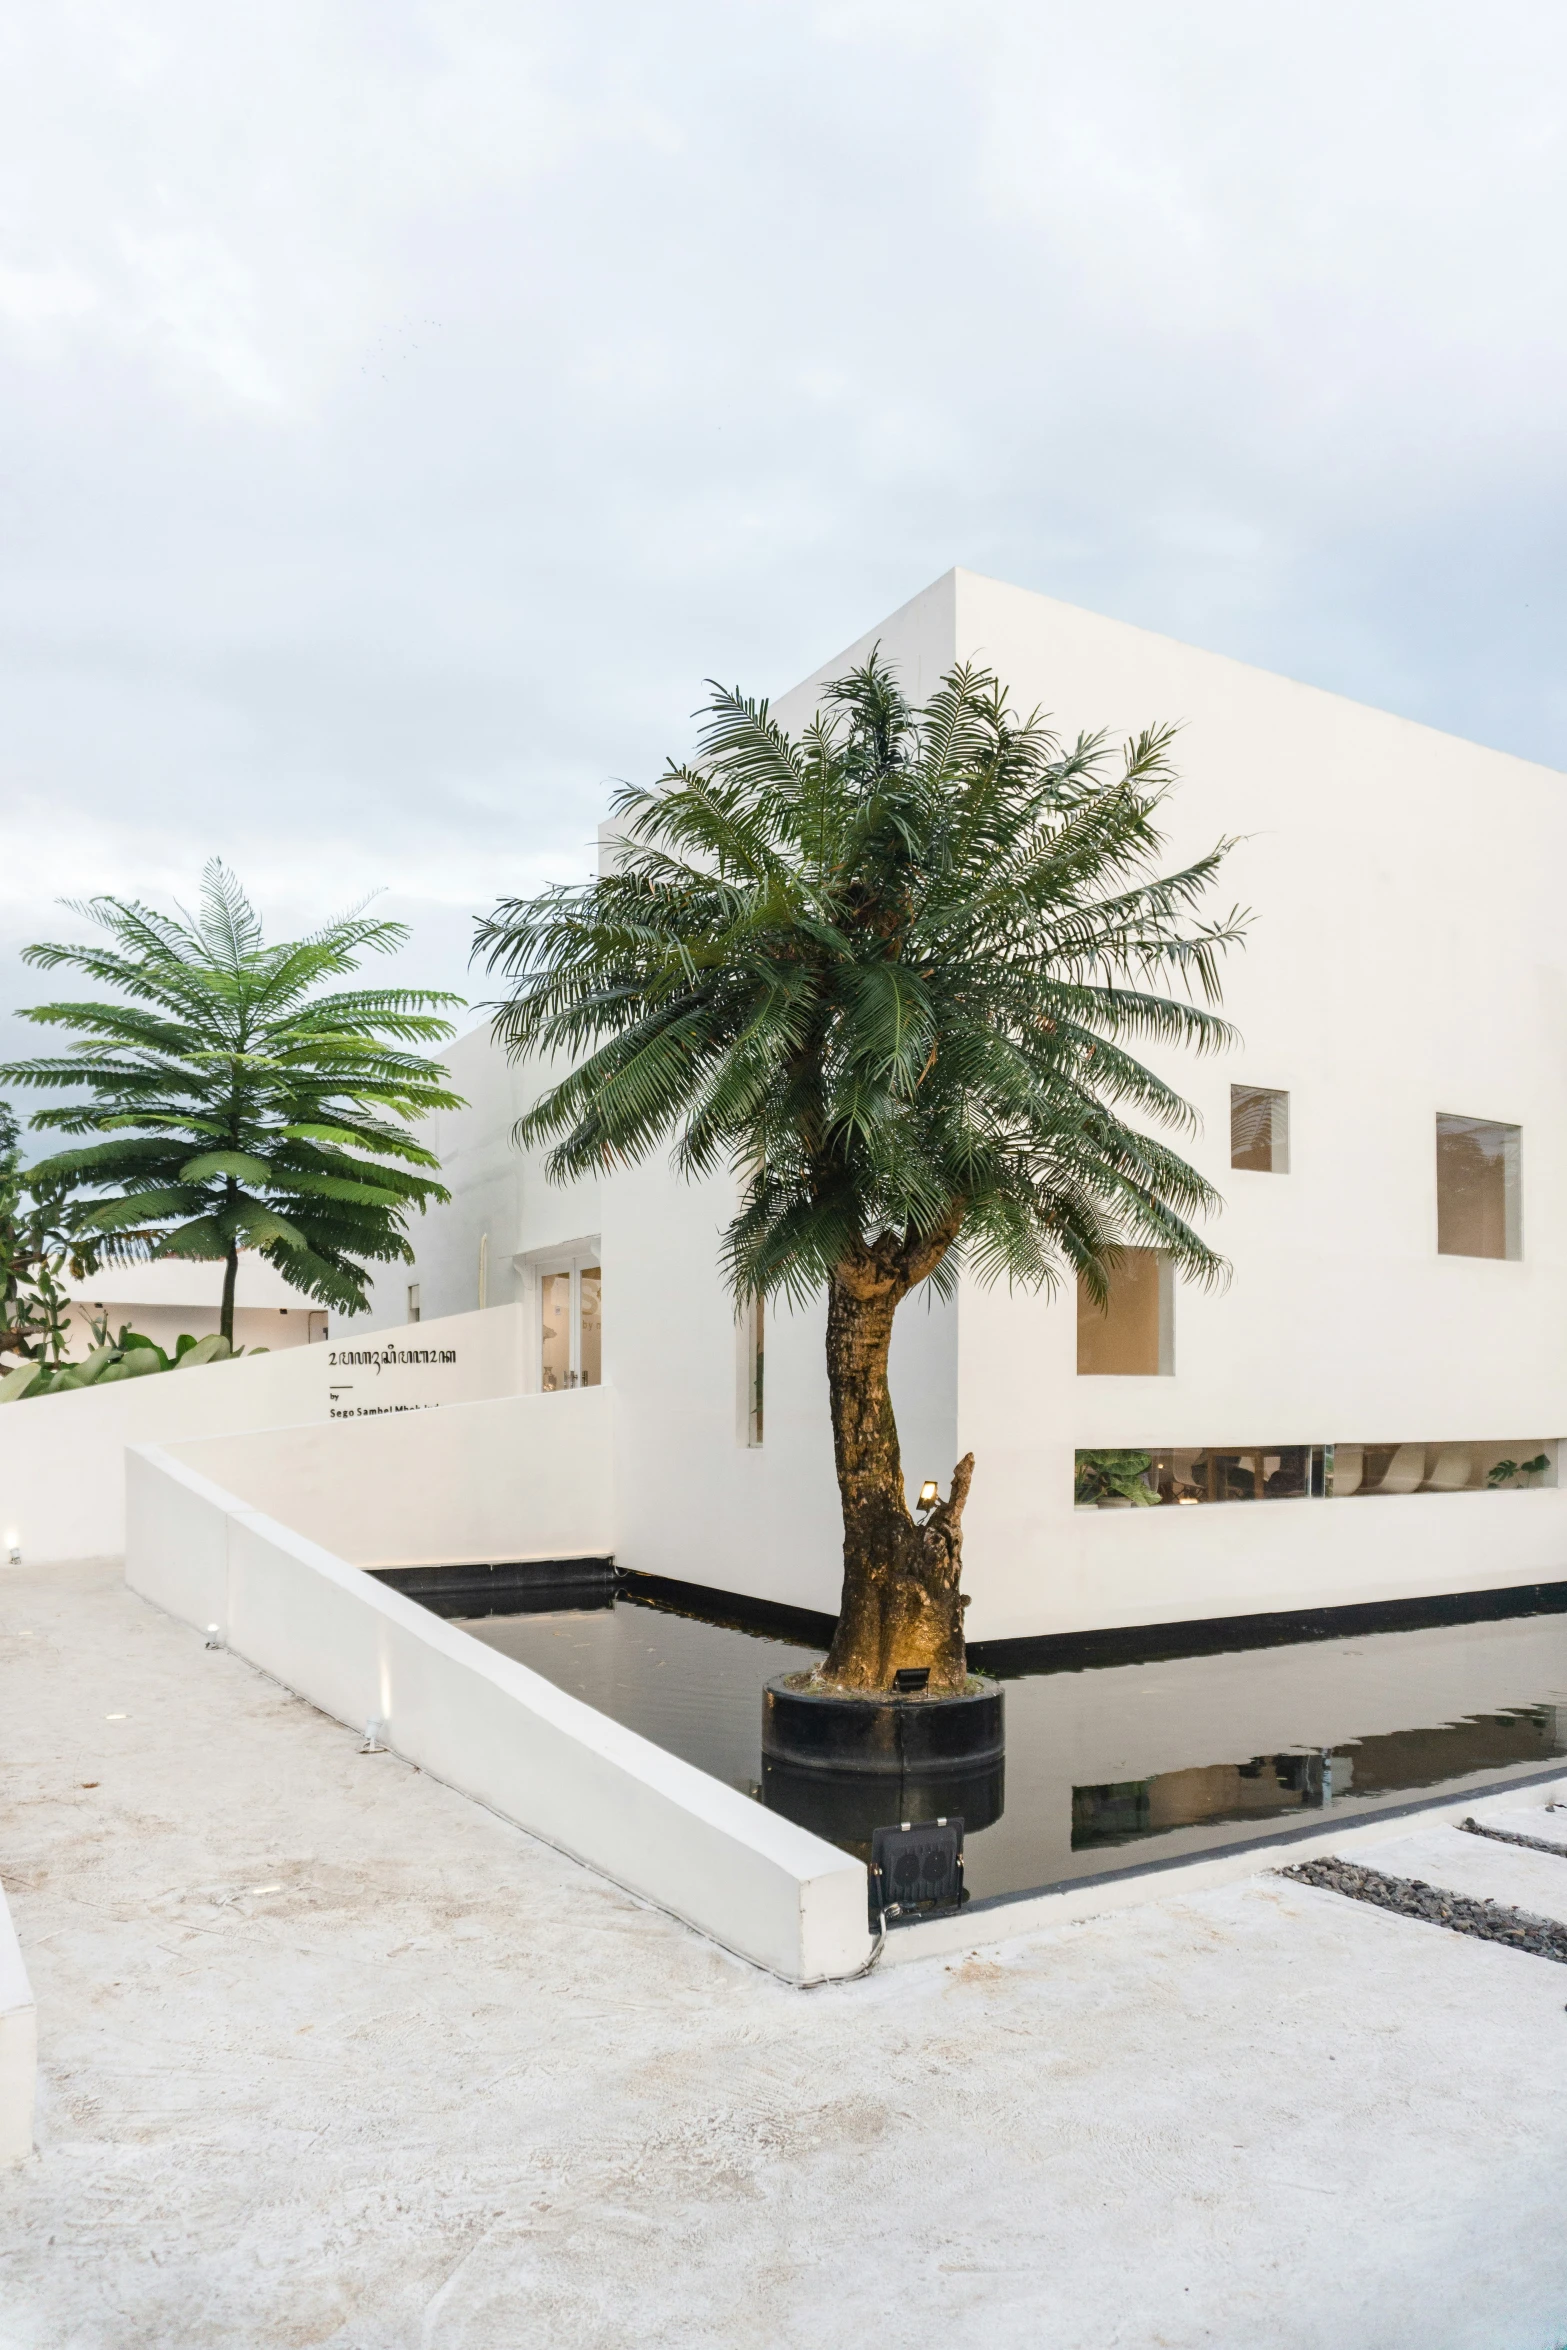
577 1258
1511 1131
1165 1309
1278 1143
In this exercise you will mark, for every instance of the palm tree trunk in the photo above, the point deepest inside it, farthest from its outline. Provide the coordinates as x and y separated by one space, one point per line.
901 1604
230 1274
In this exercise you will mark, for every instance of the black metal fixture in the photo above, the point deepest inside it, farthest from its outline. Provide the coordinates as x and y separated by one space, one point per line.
916 1872
909 1680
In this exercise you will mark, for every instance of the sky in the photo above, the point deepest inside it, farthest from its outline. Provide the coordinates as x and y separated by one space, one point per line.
405 408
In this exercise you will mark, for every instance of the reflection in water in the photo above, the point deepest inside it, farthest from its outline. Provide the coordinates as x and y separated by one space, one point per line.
1269 1785
1173 1756
847 1807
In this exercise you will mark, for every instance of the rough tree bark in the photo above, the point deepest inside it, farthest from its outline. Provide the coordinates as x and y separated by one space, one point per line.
230 1273
901 1602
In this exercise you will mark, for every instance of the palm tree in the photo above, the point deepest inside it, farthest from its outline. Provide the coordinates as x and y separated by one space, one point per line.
889 974
242 1106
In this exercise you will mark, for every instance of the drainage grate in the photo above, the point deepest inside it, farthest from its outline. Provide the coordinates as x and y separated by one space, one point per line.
1506 1836
1434 1905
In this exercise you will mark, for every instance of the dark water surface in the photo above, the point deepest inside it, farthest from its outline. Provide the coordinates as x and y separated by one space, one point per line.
1111 1765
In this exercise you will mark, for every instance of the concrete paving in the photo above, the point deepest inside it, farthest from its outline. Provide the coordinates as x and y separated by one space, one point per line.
331 2056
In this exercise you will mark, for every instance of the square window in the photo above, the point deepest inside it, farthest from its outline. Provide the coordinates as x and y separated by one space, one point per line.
1132 1336
1260 1129
1477 1188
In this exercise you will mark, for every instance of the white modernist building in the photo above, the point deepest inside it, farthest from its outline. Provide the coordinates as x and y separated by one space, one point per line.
164 1297
1390 1138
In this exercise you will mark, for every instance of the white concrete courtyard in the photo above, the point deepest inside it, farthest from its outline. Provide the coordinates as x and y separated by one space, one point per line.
332 2056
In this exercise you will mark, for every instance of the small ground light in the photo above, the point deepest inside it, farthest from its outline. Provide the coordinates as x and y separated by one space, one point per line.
930 1494
116 1717
214 1636
372 1743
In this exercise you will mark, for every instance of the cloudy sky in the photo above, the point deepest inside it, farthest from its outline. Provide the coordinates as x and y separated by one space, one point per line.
403 408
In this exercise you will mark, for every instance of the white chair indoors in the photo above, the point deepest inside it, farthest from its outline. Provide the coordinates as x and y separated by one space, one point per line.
1405 1472
1452 1470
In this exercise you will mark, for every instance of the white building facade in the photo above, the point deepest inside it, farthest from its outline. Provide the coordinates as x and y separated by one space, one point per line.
165 1297
1390 1139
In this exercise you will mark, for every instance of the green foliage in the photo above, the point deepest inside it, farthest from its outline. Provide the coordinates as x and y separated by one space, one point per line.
892 973
1115 1476
36 1253
129 1356
1503 1472
235 1103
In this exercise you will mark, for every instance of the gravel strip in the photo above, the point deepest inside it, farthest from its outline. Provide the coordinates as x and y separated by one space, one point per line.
1506 1836
1412 1897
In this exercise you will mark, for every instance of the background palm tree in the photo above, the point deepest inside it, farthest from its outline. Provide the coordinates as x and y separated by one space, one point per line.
243 1107
889 974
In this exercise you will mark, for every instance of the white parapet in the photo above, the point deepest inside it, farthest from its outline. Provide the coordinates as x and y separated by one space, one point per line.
61 1484
490 1727
18 2046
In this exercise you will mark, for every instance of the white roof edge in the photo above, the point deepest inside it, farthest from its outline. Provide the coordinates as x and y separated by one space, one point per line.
1255 669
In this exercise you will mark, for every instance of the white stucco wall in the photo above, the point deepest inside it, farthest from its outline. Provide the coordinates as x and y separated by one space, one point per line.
164 1297
490 1726
514 1477
1396 967
62 1483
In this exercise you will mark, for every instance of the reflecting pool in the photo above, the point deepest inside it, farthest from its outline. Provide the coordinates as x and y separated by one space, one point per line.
1112 1765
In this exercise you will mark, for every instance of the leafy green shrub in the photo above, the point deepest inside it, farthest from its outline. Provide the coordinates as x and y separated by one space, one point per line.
130 1356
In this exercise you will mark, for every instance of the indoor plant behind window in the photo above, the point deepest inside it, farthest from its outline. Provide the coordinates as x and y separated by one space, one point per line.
1115 1480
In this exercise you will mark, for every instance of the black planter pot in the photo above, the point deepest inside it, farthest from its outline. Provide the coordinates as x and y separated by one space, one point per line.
889 1736
845 1766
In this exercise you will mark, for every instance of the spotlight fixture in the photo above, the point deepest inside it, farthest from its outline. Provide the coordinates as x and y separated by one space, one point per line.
916 1871
214 1636
373 1729
930 1494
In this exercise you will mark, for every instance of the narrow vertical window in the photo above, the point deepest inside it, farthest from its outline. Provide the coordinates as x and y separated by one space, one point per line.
1260 1129
1478 1209
1132 1335
590 1326
484 1272
413 1301
555 1345
571 1327
756 1333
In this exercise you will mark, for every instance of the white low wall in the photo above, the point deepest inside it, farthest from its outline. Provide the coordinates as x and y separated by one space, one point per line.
519 1477
1071 1570
490 1727
62 1489
18 2046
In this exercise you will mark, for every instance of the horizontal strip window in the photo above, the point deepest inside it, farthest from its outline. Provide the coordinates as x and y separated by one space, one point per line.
1126 1479
1441 1468
1141 1480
